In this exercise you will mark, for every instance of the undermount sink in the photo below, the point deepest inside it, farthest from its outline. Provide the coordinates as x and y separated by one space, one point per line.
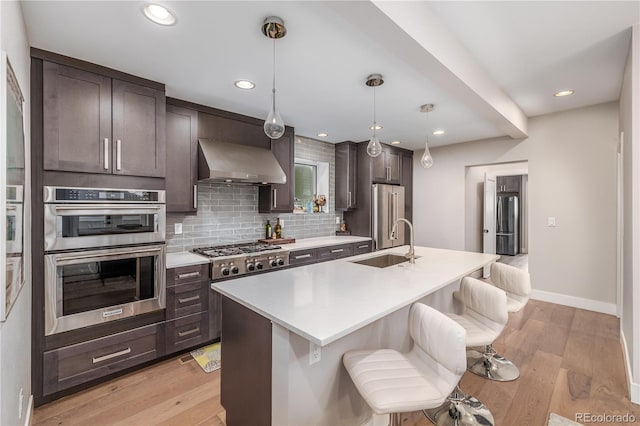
383 260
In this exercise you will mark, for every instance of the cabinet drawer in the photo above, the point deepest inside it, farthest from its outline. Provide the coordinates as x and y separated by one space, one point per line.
301 257
187 299
80 363
359 248
186 332
187 274
334 252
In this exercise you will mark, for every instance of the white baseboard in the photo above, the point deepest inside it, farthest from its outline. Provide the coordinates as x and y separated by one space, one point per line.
29 414
575 302
634 388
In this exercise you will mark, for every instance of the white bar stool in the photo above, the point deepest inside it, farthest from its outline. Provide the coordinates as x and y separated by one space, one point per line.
392 382
514 281
484 317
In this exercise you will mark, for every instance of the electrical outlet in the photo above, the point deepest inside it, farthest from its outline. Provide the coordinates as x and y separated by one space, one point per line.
177 228
20 403
551 221
282 223
314 353
337 220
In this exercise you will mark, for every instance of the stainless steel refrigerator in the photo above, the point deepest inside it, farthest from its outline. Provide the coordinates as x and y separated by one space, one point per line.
507 225
387 205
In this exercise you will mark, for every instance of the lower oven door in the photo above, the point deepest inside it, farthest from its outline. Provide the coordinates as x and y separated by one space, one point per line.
80 226
91 287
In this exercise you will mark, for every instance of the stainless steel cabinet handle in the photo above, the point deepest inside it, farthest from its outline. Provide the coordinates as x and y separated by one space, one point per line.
303 256
349 199
189 275
363 246
189 299
118 154
275 198
188 332
106 153
96 360
195 196
337 251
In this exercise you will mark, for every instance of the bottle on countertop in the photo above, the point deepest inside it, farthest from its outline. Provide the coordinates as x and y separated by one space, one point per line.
269 231
278 229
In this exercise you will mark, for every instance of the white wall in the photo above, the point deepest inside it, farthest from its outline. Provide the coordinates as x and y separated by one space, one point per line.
15 333
630 126
474 199
572 161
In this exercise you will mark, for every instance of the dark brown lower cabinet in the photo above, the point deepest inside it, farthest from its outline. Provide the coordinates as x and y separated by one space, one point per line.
187 332
322 254
80 363
245 378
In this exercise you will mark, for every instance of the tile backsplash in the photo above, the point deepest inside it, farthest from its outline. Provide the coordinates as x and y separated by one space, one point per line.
228 213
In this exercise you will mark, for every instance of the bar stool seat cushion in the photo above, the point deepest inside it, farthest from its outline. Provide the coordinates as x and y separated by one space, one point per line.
393 382
514 281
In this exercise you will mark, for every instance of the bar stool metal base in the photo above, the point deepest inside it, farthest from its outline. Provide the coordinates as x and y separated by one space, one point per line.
490 365
460 410
395 419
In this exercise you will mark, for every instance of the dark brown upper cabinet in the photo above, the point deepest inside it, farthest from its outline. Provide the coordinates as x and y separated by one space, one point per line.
386 166
407 182
346 176
508 183
278 198
93 123
182 159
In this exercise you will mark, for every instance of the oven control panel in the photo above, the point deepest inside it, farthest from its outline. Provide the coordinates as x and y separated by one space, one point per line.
54 194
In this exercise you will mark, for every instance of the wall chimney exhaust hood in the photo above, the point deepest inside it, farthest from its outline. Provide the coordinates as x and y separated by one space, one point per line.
232 162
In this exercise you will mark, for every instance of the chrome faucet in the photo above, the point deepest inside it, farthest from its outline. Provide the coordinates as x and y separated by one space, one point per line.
411 254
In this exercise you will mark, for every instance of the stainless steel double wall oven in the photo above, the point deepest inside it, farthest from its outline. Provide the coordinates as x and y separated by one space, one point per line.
104 255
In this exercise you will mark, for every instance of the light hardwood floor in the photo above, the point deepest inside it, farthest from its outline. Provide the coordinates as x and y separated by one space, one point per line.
570 362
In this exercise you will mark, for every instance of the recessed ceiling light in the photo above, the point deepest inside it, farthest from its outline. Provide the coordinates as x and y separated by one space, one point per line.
322 135
159 14
564 93
395 143
438 132
378 127
244 84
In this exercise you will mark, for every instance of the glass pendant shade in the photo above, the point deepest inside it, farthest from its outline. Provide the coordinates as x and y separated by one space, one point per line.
374 148
426 161
273 125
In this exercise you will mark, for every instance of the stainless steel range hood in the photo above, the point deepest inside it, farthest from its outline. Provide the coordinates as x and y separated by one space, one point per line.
232 162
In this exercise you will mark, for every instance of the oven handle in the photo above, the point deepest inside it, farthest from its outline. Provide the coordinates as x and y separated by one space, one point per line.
108 207
62 257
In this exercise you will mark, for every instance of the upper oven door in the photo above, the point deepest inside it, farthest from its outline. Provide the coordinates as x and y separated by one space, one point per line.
14 228
78 226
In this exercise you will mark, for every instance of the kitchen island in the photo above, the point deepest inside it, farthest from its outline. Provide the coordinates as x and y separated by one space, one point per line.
284 333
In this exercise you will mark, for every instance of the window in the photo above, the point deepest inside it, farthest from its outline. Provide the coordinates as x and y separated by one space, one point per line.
311 180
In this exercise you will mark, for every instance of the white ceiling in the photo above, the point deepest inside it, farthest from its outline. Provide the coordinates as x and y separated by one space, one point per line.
528 50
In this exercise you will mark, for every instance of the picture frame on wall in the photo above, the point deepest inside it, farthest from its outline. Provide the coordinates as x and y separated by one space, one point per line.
12 184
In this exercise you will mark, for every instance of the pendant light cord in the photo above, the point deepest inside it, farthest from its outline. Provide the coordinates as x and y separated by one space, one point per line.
273 90
374 111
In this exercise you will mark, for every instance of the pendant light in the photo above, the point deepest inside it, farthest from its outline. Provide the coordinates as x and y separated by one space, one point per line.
426 161
273 28
374 148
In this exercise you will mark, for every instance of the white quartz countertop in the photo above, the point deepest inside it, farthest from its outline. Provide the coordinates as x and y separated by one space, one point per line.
309 243
326 301
184 258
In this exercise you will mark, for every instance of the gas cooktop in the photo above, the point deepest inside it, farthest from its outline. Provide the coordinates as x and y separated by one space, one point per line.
240 259
235 249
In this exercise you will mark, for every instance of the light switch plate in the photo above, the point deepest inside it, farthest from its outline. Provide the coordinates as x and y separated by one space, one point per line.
551 221
337 220
177 228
